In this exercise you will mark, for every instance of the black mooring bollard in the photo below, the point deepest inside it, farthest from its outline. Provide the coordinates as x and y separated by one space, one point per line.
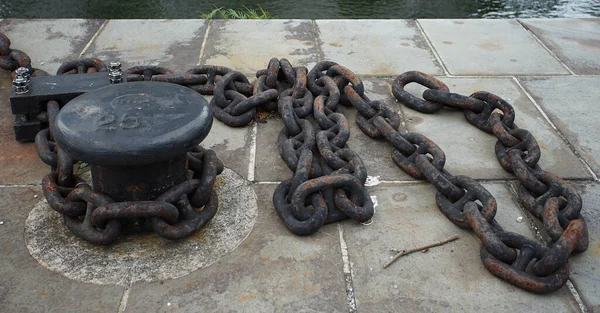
134 136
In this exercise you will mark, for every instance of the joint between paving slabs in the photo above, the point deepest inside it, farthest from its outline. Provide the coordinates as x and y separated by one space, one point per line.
555 128
204 41
252 163
89 43
541 43
19 185
317 38
124 299
348 273
540 235
436 55
581 303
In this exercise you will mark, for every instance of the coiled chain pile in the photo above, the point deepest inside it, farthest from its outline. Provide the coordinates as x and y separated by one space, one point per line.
328 180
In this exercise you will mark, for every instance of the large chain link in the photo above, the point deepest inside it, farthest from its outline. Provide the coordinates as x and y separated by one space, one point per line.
514 258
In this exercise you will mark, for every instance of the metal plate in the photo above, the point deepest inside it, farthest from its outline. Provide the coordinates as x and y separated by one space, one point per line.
62 88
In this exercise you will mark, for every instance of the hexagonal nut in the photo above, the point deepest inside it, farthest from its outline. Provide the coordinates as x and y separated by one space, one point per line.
20 85
113 66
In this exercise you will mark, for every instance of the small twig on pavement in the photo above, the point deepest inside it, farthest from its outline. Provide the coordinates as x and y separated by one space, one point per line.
405 252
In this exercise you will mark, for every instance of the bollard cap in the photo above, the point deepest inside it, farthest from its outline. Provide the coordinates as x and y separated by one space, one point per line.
132 124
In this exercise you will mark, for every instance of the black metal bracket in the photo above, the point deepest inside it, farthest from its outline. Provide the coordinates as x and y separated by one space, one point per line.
62 88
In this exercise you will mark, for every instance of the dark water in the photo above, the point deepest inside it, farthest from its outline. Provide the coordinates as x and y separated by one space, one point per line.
311 9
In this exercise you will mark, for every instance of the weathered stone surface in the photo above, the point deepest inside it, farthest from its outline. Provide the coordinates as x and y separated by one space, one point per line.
575 41
25 285
247 45
271 271
376 47
446 278
489 47
174 44
49 43
571 104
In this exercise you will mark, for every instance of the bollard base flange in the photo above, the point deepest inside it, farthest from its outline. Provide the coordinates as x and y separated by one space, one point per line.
143 257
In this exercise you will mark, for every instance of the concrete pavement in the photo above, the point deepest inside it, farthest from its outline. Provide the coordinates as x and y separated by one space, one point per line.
548 69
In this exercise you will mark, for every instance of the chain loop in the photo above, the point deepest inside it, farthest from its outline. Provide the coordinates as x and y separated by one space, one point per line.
516 273
90 65
549 198
492 102
424 146
411 101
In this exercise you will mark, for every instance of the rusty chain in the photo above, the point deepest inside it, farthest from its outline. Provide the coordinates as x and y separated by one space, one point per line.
95 217
512 257
328 180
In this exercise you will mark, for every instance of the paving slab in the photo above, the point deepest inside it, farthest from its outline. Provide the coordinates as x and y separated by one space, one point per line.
26 286
248 45
271 271
50 42
449 278
232 144
376 154
585 267
19 161
575 41
571 104
470 151
376 47
489 47
174 44
269 165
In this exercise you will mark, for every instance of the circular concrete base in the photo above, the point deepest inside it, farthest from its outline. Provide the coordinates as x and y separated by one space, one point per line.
147 257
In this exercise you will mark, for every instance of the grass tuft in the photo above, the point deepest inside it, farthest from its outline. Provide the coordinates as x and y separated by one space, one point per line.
243 13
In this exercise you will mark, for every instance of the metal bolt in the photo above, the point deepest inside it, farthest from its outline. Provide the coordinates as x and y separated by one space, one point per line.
114 66
20 85
22 80
115 74
23 72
